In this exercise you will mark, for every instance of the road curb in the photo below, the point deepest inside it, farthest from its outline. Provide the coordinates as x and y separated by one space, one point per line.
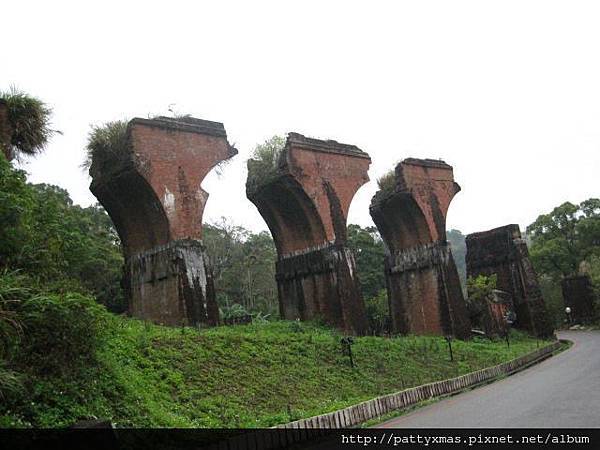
372 409
307 429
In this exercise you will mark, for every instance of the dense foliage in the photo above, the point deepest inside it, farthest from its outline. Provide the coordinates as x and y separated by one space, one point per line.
565 242
44 334
243 267
566 237
64 246
369 252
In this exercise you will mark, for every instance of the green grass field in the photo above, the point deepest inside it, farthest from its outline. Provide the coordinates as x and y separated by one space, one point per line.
255 375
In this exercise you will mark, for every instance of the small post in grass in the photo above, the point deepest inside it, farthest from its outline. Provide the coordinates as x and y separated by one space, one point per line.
509 319
449 341
347 342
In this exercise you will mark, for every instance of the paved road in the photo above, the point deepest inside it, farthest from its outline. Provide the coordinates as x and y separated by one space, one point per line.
563 391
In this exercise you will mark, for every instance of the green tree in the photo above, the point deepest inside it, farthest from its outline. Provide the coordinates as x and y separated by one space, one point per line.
563 242
243 267
369 253
64 246
378 313
16 203
564 238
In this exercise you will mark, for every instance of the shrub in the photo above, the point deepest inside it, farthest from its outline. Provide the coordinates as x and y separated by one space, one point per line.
57 331
60 330
480 289
378 315
263 163
387 182
234 311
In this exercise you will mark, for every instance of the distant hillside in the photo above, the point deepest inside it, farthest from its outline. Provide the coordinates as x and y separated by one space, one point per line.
459 251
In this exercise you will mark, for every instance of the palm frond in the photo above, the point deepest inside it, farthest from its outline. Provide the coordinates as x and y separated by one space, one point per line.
28 122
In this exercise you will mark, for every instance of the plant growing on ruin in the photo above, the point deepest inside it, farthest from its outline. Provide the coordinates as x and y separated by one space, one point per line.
387 182
479 289
28 123
378 314
232 312
107 143
263 163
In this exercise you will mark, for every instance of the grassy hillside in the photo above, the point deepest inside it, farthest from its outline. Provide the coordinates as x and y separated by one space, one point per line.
244 376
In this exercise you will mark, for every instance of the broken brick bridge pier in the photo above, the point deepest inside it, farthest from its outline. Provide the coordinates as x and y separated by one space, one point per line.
152 192
304 195
424 291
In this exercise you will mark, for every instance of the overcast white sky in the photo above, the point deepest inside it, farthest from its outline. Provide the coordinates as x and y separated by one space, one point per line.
508 92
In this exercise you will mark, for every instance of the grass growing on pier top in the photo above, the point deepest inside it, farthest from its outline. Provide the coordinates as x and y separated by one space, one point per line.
237 376
106 143
263 162
387 182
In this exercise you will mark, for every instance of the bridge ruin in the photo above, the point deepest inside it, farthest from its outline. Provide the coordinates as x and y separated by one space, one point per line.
424 291
304 196
152 192
502 251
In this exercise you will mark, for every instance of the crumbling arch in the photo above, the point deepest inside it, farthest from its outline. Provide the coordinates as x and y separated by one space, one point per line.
402 224
291 216
132 205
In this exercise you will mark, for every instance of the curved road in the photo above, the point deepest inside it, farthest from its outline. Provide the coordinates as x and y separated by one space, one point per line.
560 392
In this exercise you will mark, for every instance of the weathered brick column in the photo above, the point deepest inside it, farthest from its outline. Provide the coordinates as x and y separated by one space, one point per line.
578 294
424 291
305 201
5 132
503 252
154 196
